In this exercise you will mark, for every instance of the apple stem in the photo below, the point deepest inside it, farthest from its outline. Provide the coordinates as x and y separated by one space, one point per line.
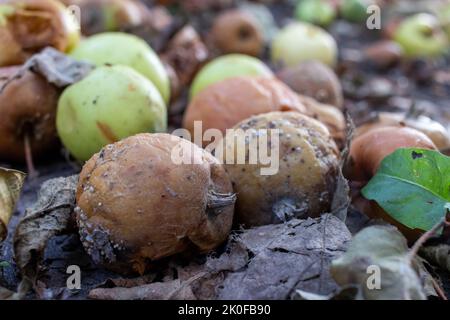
438 289
217 201
32 173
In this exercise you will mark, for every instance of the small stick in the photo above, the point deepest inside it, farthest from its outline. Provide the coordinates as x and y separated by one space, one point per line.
424 238
420 242
32 173
438 289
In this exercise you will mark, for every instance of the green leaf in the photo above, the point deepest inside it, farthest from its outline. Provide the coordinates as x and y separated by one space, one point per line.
4 264
413 186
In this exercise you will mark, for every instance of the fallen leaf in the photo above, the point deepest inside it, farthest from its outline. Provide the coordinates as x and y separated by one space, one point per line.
268 262
51 215
296 255
58 68
437 254
175 290
383 248
11 182
412 186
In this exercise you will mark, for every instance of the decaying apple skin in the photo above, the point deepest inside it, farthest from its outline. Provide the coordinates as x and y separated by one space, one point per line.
135 204
368 150
433 129
306 179
27 107
330 116
31 25
223 104
316 80
236 31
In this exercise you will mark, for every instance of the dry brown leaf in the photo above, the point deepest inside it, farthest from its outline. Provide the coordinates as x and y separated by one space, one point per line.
438 254
383 247
11 182
51 215
268 262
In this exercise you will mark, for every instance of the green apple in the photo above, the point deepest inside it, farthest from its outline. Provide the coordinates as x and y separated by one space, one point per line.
355 10
301 41
111 103
124 49
227 66
320 12
421 35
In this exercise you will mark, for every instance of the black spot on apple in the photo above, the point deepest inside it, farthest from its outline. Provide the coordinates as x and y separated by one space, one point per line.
416 155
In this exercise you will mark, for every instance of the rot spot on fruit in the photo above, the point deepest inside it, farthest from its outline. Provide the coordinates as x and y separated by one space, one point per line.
107 132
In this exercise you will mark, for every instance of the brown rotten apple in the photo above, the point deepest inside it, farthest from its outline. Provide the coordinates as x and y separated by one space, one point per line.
308 164
223 104
368 150
27 107
316 80
433 129
28 26
236 31
136 203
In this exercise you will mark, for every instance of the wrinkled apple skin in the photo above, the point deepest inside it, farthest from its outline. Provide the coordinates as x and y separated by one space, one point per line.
111 103
228 66
120 48
421 36
300 42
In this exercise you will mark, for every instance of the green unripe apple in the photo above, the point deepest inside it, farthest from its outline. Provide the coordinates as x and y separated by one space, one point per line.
355 10
320 12
301 41
111 103
228 66
421 35
124 49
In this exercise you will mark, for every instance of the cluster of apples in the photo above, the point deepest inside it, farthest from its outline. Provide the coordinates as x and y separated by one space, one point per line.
116 116
424 34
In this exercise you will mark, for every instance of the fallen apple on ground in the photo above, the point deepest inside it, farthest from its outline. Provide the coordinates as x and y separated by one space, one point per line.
305 181
28 26
301 41
189 207
111 103
421 35
320 12
228 66
123 49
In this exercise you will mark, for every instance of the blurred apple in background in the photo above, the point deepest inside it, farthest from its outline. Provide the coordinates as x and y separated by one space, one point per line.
301 41
320 12
421 35
228 66
28 26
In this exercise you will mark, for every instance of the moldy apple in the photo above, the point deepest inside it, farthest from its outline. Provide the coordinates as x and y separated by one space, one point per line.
135 205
